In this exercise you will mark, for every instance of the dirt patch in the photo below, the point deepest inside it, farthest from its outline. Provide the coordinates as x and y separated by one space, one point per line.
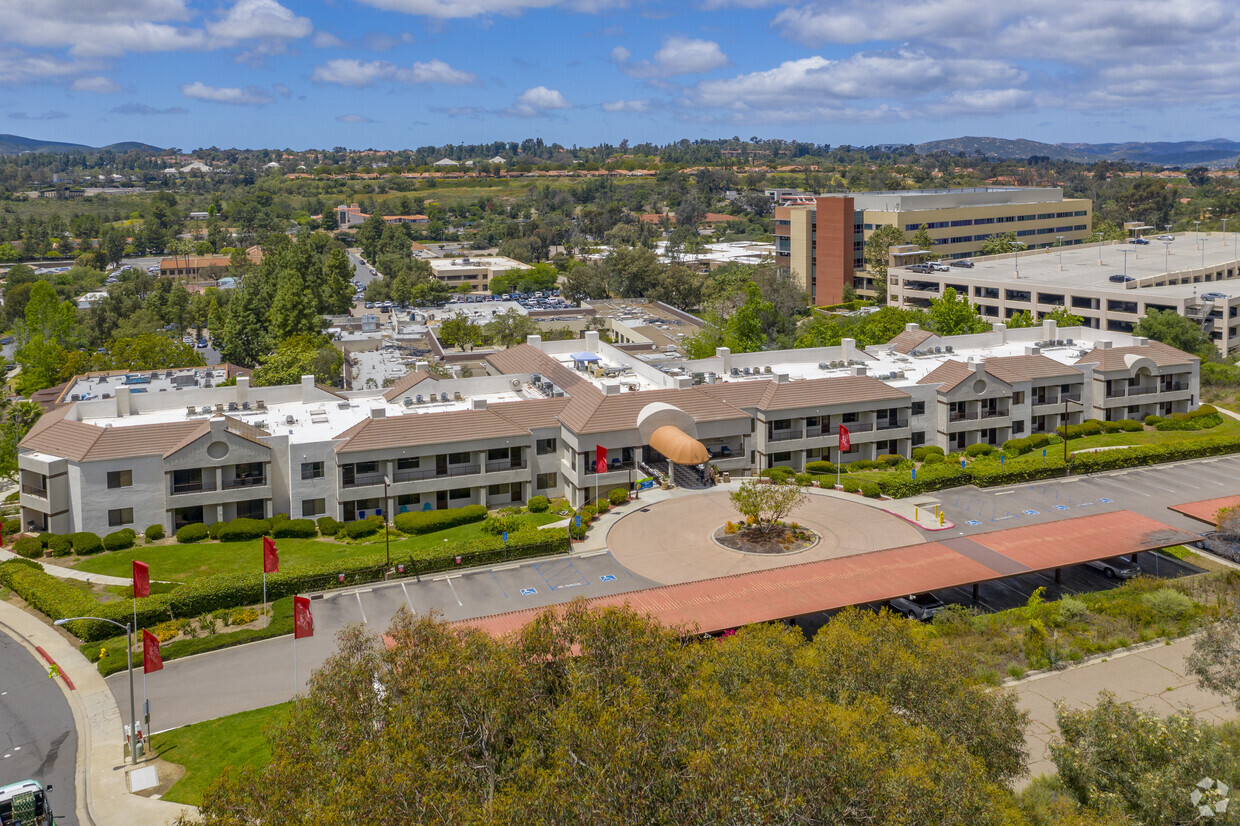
765 543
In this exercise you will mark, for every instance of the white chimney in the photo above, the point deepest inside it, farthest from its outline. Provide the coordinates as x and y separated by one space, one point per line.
243 389
534 341
122 401
307 388
724 353
592 341
1000 328
1049 329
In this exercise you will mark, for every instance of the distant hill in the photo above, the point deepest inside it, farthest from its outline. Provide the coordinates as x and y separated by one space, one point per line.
16 145
1214 152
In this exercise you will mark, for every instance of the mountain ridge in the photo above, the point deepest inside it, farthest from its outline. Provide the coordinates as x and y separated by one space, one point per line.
18 144
1211 152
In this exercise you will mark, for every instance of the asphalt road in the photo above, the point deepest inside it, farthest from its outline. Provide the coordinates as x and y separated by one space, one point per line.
38 740
361 271
261 674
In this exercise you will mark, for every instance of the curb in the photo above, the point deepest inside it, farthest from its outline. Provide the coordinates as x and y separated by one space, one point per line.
60 671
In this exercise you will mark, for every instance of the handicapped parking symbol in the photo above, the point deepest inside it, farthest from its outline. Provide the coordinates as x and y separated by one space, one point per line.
607 578
973 522
1061 507
1104 501
528 592
1030 513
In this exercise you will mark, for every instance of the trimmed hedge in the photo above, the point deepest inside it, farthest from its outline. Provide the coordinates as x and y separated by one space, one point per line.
779 475
328 526
194 532
417 523
979 449
819 467
295 528
58 599
361 528
242 529
59 546
498 525
119 540
86 543
538 504
28 546
618 496
920 454
154 533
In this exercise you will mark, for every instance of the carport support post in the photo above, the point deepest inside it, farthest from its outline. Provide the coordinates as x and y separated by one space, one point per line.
1058 575
975 588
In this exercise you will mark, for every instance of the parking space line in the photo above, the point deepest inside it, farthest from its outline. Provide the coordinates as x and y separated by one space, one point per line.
448 580
358 594
408 601
497 582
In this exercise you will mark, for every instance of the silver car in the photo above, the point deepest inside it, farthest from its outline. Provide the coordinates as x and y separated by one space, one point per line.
1121 567
917 606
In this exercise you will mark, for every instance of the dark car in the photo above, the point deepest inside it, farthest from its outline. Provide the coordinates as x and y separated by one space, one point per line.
968 265
1120 279
1140 241
917 606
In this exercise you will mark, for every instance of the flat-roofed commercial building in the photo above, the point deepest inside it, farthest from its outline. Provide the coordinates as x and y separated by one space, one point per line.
132 450
1110 286
473 271
823 245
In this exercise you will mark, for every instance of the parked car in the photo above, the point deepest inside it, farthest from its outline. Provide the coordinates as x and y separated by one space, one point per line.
370 305
937 267
1118 566
968 265
1120 279
917 606
1166 238
1214 296
1140 241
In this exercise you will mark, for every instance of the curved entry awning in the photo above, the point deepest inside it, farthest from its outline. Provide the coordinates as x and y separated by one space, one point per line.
678 446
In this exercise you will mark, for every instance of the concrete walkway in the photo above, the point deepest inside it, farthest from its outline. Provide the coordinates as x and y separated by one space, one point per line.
103 796
1151 677
64 572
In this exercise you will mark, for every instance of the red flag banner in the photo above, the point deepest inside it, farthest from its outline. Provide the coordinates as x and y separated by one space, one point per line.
271 558
303 620
600 459
845 441
151 660
141 579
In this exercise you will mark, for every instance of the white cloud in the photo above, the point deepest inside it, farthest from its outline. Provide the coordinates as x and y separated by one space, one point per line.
144 109
19 67
52 115
627 106
357 73
482 8
249 96
354 118
538 101
258 19
677 56
327 40
96 83
282 90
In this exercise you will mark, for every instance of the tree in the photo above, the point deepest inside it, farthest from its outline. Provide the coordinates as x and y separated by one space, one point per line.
924 242
1002 244
459 330
877 249
951 315
292 310
337 294
510 328
147 352
300 355
112 243
1059 315
245 332
18 418
48 329
765 506
1175 330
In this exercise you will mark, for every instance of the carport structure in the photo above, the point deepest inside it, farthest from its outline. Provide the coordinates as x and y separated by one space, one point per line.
782 593
1206 509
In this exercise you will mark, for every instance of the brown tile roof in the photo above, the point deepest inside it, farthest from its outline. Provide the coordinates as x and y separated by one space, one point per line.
909 339
526 359
604 413
533 413
58 436
145 439
827 391
49 397
427 429
1012 369
1113 358
407 383
950 373
743 394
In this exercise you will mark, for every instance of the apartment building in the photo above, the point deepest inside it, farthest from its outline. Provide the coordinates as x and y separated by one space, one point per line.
823 245
1110 286
131 451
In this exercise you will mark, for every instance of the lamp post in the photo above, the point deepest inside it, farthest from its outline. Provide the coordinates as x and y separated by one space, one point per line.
1203 255
1060 237
1166 256
387 542
1066 472
1197 224
133 717
1098 235
1124 250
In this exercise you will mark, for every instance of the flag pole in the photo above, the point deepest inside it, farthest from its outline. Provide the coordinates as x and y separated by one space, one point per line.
266 616
294 665
135 630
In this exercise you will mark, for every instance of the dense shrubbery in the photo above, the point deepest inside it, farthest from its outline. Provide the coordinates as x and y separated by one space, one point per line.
194 532
618 496
499 525
153 533
420 522
59 546
328 526
538 504
779 475
28 546
295 528
1203 418
86 543
921 453
979 449
242 529
819 467
361 528
120 540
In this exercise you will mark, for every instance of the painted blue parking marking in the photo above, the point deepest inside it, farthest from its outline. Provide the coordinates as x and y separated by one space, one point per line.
1104 500
1086 504
973 522
607 578
528 592
1030 513
1061 507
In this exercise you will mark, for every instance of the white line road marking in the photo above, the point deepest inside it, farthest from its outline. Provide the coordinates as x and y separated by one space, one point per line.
360 608
408 601
592 553
448 580
1005 492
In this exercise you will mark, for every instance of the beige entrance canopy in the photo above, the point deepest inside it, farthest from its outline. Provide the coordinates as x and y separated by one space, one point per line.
678 446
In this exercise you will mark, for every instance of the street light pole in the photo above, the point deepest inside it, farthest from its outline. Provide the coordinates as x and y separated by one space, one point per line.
133 716
1099 236
1065 432
1197 224
387 542
1060 237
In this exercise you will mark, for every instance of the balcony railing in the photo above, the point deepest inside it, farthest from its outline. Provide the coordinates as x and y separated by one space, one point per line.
35 490
996 413
415 475
495 467
201 486
611 467
961 415
245 482
784 435
892 424
1120 392
816 431
856 427
364 479
1171 387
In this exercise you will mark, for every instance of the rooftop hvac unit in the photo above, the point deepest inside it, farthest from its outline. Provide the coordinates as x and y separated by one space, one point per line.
948 348
536 379
408 401
443 397
822 365
419 398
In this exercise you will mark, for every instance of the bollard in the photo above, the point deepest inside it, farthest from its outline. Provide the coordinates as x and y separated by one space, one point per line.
941 515
916 514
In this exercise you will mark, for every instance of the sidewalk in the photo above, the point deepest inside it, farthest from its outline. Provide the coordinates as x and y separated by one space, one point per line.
1152 678
103 796
61 572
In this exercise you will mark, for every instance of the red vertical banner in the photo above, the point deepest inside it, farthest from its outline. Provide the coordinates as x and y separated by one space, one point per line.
271 558
845 441
303 620
141 579
600 459
151 659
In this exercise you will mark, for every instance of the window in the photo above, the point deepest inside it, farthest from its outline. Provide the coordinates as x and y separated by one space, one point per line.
1018 427
497 454
501 489
919 409
546 481
1018 397
849 418
120 478
366 467
311 508
544 446
458 458
408 463
311 470
919 438
783 456
459 493
120 516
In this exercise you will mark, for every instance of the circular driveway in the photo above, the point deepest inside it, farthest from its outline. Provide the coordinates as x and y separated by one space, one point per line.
670 541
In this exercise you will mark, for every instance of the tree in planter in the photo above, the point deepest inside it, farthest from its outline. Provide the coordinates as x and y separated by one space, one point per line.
766 504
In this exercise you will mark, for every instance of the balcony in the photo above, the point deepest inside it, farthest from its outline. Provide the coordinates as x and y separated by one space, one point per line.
201 486
361 480
1121 392
892 424
995 413
855 427
34 490
1172 387
961 415
246 482
413 475
784 435
496 467
613 467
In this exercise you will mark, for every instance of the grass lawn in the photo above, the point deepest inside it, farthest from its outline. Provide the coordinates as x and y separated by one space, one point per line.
206 749
174 562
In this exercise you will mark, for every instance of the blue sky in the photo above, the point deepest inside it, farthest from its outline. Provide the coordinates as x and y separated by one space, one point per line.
400 73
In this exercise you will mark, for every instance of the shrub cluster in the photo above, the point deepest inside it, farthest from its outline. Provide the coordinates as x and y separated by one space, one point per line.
328 526
30 547
295 528
618 496
820 467
193 532
1203 418
120 540
153 533
361 528
1036 441
979 449
538 504
60 545
242 529
416 523
498 525
86 543
779 475
920 454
